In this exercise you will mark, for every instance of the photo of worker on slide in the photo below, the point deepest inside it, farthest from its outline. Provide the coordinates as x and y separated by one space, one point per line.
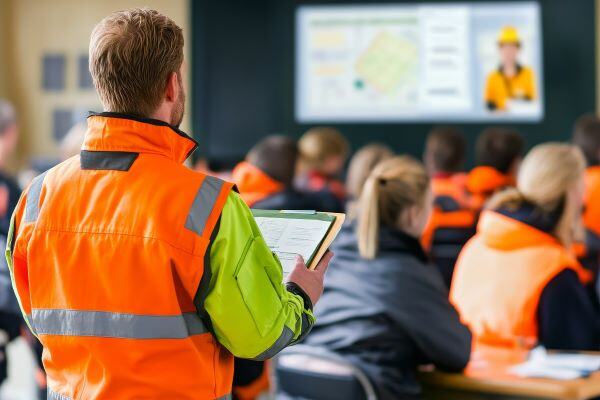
511 85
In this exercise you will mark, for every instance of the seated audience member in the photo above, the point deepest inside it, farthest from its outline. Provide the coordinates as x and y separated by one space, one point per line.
586 136
385 308
517 283
265 179
323 153
10 313
498 154
452 221
361 165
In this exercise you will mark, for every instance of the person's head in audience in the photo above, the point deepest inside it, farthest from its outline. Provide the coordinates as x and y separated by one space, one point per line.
501 149
550 179
396 195
9 132
445 151
266 177
70 145
361 165
586 135
323 150
136 63
276 156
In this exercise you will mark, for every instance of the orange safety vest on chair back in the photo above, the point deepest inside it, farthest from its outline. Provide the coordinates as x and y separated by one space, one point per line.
116 244
460 216
500 276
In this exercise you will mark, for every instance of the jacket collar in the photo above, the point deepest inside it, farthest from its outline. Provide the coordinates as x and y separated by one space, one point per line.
390 240
518 67
450 185
110 131
254 184
593 172
506 232
486 179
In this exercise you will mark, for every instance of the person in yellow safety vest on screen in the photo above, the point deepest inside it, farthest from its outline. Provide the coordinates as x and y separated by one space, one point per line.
140 277
511 80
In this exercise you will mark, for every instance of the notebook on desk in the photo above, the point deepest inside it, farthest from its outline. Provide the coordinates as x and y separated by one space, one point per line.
557 365
305 233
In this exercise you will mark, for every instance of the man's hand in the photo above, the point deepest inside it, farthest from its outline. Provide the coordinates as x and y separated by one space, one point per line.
311 282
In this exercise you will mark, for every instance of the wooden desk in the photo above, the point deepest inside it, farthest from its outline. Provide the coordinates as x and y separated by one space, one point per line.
487 376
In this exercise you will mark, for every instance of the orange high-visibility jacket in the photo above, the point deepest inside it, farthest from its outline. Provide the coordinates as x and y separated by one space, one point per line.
591 215
452 190
483 182
254 184
500 276
110 254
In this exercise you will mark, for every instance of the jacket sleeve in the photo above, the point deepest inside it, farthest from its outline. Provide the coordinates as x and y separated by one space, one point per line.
252 313
568 319
433 323
16 258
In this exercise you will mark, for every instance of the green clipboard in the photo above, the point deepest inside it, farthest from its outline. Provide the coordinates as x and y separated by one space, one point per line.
334 220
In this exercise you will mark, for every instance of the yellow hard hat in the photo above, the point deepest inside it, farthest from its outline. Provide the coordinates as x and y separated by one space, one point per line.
509 35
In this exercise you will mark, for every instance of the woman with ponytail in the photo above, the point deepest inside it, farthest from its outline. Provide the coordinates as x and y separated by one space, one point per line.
385 307
517 283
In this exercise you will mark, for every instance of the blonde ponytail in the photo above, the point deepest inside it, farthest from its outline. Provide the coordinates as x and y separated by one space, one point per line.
368 221
394 185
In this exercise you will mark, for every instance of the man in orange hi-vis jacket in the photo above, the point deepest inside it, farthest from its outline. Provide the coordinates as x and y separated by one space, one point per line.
141 277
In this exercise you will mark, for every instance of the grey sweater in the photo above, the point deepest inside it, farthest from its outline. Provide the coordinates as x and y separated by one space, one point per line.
389 315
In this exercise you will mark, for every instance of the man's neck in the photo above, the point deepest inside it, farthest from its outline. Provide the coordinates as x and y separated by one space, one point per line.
162 114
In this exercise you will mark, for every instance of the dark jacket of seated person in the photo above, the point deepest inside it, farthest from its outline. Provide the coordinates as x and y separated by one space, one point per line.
517 282
385 307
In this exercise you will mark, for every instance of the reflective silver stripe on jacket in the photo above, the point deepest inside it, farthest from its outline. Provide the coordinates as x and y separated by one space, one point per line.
115 325
281 343
52 395
32 205
203 204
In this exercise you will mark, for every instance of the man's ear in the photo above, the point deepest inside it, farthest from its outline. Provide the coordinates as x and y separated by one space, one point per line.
172 90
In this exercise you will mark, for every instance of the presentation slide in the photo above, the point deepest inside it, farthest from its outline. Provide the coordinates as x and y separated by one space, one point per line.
415 62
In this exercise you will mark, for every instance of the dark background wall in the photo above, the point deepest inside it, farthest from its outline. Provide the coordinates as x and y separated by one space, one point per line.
243 77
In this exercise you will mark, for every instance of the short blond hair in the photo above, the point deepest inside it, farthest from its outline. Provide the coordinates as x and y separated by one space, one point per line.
132 55
547 173
395 185
320 143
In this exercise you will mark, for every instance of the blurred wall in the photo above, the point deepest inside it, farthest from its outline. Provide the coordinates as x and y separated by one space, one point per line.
31 29
4 29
